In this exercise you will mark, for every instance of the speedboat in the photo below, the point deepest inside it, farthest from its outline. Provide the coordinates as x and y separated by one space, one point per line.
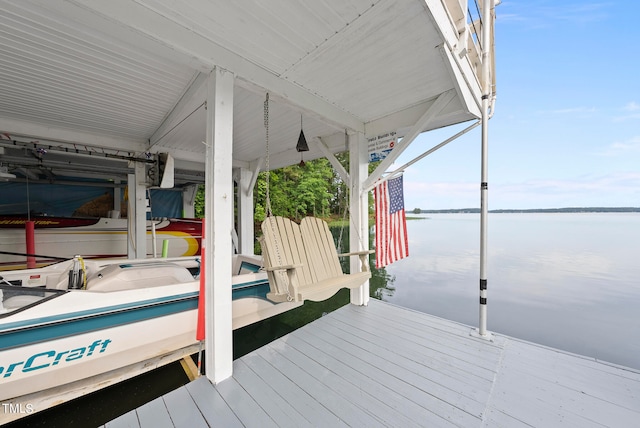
93 237
78 325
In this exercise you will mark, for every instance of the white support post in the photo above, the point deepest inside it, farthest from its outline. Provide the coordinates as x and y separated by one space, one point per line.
484 186
244 179
219 206
137 213
358 203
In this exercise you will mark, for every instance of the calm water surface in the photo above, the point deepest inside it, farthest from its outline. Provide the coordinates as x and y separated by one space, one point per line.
570 281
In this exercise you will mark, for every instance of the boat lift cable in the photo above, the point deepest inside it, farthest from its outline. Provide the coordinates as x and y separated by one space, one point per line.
204 104
9 253
473 23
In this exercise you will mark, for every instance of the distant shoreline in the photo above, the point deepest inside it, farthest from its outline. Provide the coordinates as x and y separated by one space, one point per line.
534 210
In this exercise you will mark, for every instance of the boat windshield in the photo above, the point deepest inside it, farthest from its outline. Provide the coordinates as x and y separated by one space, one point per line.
16 298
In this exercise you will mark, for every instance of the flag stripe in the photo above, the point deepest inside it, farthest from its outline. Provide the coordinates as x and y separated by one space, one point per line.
391 228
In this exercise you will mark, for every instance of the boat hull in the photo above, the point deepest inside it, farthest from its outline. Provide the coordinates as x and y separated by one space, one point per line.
93 238
43 365
52 346
124 318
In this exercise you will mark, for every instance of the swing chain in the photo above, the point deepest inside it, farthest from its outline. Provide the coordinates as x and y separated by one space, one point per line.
267 207
267 170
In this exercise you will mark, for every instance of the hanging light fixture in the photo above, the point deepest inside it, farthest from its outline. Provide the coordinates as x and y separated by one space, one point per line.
302 145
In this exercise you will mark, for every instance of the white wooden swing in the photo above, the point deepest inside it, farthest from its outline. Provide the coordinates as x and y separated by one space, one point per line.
301 260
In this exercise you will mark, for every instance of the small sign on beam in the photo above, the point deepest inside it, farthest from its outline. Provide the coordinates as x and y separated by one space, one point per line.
381 145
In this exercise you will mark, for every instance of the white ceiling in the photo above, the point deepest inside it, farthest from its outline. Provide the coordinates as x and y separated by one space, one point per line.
126 77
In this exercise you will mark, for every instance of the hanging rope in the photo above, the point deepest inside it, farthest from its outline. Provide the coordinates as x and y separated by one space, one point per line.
267 171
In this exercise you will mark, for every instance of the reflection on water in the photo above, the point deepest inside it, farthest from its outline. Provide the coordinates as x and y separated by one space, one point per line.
564 280
381 282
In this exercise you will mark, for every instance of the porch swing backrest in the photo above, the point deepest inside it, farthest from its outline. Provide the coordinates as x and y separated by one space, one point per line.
323 257
302 261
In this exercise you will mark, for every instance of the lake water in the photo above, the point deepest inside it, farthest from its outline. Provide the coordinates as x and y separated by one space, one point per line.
569 281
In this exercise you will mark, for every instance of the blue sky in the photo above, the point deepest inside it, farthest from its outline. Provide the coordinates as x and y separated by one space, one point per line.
566 129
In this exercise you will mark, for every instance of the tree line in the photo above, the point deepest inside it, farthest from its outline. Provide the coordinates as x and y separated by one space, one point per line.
310 189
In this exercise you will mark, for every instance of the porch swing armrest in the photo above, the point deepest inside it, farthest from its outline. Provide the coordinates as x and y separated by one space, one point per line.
363 257
357 253
280 293
282 267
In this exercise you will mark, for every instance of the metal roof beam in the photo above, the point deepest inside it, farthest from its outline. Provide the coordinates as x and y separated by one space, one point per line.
16 127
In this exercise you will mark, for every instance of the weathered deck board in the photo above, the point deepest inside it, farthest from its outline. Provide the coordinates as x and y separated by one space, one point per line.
383 365
291 393
422 347
211 404
566 389
183 410
154 414
383 362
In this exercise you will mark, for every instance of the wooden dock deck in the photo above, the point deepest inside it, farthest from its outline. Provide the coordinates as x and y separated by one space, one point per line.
383 365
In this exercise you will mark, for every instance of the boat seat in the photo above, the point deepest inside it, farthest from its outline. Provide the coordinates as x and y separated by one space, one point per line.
302 262
130 276
58 281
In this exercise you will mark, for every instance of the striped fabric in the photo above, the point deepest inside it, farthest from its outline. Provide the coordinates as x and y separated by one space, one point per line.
391 222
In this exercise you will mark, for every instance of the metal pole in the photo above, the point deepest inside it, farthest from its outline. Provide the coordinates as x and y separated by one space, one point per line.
484 187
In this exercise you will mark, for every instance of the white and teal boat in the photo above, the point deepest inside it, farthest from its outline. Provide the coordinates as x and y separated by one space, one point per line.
80 325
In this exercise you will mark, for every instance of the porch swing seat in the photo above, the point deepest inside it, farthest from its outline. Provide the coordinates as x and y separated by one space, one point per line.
302 262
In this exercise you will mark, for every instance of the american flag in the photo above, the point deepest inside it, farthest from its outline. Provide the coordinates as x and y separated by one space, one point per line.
391 222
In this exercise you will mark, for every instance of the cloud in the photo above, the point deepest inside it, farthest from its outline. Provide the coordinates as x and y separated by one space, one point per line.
608 190
632 106
441 195
541 15
604 183
581 111
581 13
632 112
622 148
448 189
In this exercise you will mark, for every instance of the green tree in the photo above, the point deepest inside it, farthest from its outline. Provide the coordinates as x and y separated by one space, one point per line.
295 191
199 202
